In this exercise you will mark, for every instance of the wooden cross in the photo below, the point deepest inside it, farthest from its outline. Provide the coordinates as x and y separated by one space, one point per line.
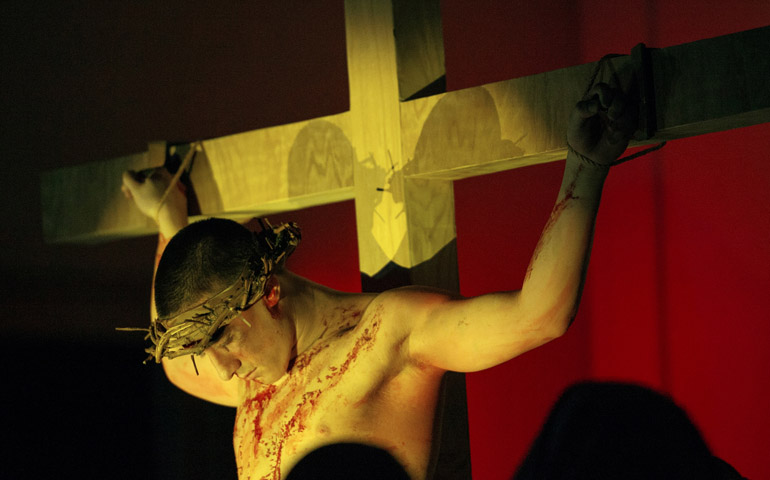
397 158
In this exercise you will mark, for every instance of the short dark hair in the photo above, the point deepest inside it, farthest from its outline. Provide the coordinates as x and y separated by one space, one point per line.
202 259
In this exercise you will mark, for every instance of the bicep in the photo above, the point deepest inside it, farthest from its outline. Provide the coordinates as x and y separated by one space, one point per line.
471 334
206 384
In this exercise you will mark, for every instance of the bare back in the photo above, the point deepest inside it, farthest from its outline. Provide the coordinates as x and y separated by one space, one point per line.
353 384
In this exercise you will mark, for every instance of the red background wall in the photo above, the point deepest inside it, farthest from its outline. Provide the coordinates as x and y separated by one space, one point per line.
678 281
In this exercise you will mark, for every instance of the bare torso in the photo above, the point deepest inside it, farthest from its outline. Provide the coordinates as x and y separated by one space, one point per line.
353 381
353 384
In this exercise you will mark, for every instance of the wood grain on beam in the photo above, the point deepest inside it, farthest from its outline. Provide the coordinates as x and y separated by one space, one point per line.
401 225
419 45
384 215
494 127
279 168
713 85
255 173
84 204
700 87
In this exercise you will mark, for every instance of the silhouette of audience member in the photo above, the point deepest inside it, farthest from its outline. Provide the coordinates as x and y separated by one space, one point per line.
619 431
348 461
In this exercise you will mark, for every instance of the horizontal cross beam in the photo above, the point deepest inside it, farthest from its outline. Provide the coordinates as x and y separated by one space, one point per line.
700 87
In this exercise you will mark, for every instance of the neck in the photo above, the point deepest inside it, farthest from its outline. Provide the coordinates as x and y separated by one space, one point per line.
317 311
305 303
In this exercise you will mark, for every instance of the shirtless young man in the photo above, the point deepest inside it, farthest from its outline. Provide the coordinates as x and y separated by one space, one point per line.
307 366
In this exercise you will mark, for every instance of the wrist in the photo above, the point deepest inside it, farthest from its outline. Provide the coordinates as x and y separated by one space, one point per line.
588 161
171 220
577 164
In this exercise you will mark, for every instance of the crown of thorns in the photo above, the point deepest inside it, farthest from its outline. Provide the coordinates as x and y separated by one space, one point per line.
191 331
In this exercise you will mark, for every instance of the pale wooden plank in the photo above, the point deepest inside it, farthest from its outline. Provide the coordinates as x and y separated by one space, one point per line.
419 44
430 214
700 87
406 223
396 222
375 135
499 126
291 164
84 204
713 85
260 172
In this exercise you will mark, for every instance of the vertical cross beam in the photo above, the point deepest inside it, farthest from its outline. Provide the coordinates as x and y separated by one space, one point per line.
401 223
405 227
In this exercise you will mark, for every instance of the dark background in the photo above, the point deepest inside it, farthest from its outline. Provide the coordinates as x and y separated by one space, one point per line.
85 81
678 283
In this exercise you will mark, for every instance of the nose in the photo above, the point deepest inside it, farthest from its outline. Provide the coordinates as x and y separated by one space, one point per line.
223 362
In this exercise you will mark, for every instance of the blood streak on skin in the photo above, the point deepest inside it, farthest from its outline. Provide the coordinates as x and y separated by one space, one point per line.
555 214
307 407
304 359
255 406
295 425
365 341
350 312
309 402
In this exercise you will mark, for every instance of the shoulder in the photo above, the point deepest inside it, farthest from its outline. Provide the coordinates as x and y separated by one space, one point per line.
393 306
412 300
402 310
388 325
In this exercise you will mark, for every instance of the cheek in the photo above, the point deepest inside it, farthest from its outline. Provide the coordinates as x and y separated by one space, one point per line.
268 342
259 344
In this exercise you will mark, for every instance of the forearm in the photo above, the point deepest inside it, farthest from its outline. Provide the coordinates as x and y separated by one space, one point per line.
170 220
554 281
167 206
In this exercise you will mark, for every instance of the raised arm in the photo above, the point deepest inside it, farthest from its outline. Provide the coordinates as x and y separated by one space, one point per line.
171 216
473 334
170 213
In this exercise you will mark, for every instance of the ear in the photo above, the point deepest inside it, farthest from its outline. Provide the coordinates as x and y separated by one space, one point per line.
272 292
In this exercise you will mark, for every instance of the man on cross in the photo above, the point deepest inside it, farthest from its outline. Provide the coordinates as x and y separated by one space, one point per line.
308 366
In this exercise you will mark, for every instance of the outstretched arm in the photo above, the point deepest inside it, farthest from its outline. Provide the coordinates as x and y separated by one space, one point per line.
171 216
170 213
473 334
598 133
